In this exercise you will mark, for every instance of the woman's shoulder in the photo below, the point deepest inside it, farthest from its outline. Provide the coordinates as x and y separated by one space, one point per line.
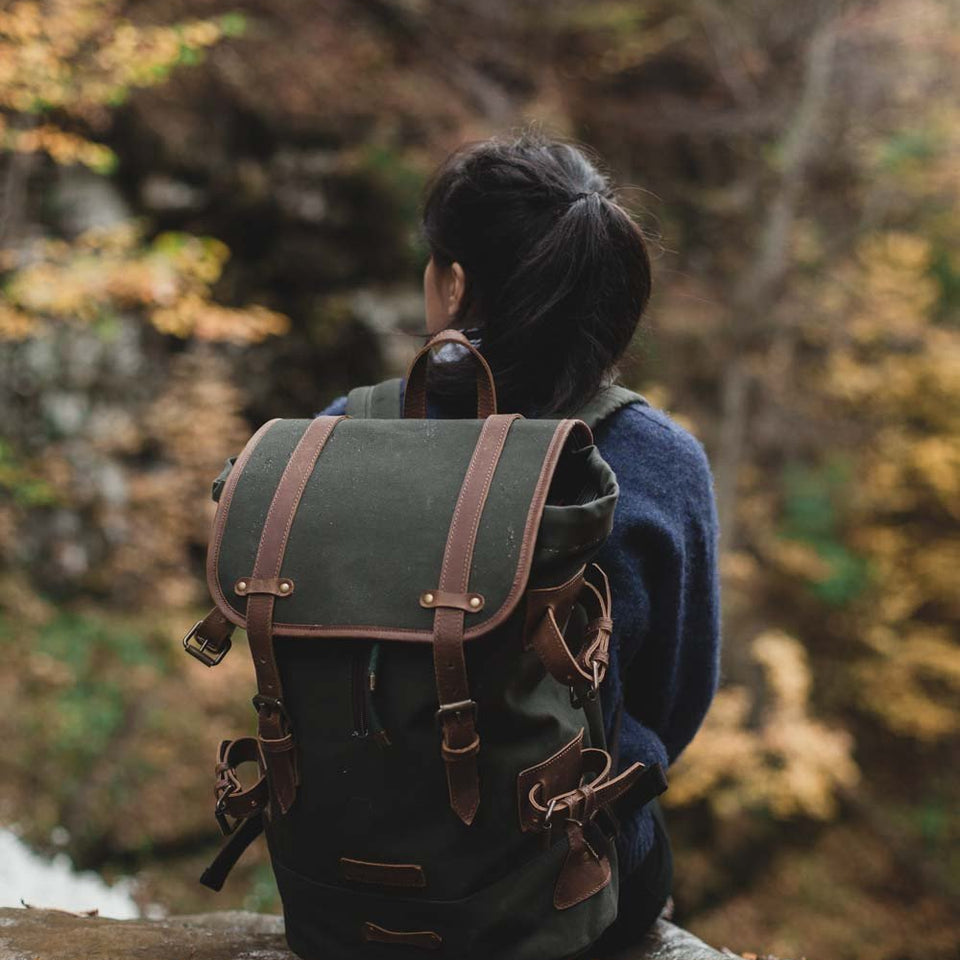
645 444
635 437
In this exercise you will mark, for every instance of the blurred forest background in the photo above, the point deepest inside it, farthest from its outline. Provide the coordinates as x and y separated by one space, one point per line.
208 217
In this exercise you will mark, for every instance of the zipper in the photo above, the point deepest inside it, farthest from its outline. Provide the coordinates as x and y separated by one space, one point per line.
364 667
376 724
359 684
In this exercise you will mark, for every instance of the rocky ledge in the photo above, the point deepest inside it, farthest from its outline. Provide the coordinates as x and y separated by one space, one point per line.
53 935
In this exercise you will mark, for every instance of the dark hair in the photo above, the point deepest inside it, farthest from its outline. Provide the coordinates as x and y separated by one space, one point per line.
557 272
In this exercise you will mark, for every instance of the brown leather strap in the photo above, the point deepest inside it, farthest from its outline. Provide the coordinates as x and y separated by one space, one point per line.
415 392
583 802
214 876
275 736
460 741
209 639
550 778
561 597
589 666
554 653
544 804
233 799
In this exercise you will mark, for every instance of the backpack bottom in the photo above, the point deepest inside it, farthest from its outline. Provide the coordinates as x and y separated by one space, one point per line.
511 919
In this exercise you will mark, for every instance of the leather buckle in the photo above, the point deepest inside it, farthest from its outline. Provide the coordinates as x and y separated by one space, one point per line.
199 649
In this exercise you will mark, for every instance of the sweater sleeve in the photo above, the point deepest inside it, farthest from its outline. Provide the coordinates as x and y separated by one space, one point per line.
662 563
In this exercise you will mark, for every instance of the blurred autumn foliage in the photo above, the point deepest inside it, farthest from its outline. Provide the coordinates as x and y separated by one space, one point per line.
208 216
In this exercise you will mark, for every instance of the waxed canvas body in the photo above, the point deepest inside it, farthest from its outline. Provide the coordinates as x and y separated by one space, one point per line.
489 887
367 540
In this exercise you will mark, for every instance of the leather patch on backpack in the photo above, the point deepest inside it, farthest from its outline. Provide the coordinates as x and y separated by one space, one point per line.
383 874
425 939
585 871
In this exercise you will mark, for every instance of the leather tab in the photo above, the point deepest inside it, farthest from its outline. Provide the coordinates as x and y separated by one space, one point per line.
585 870
425 939
383 874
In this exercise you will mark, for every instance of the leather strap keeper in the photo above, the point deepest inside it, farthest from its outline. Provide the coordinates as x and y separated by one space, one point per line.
468 602
278 586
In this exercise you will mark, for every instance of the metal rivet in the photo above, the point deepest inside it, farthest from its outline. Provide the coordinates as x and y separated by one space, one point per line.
428 598
242 585
284 587
474 602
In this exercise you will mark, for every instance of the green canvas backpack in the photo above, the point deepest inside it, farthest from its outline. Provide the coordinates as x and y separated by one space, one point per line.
429 635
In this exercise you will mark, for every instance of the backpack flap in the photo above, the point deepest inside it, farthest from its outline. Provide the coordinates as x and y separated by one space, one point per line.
365 547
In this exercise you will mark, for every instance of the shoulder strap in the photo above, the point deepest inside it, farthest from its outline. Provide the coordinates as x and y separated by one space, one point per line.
382 402
606 402
379 402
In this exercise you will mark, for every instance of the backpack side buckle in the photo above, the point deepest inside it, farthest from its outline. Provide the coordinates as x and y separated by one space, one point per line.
197 646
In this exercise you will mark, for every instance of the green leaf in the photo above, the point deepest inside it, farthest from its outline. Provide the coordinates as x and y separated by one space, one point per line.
233 24
189 56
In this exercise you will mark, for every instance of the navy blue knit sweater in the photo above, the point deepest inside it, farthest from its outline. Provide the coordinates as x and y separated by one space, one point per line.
662 562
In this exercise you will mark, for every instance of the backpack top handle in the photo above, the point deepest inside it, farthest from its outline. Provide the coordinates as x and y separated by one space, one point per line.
415 395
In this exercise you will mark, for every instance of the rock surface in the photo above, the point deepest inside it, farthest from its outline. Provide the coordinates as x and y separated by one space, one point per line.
54 935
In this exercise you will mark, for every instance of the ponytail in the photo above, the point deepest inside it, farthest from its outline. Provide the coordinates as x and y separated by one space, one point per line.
557 272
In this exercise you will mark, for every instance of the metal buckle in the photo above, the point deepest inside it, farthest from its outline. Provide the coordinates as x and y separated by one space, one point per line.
591 693
198 650
457 709
226 827
273 703
576 700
